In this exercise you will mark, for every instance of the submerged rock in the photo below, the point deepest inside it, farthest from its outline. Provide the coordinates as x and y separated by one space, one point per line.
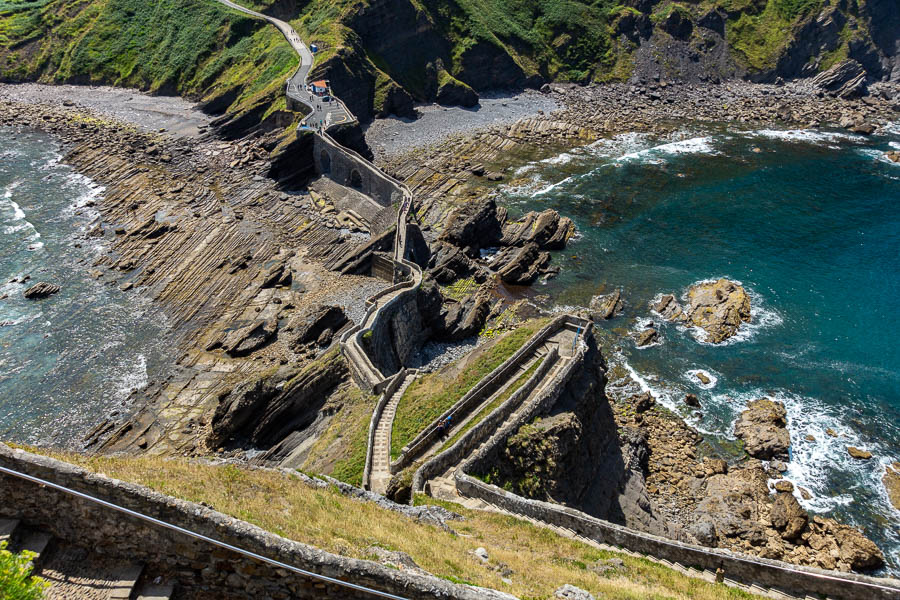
763 427
41 290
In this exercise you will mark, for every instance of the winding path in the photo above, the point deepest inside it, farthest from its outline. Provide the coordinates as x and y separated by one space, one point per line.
326 113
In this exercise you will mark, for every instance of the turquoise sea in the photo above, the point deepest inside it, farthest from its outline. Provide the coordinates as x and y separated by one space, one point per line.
70 360
809 222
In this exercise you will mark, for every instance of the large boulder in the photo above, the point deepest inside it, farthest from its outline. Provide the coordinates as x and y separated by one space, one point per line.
454 92
41 290
473 226
546 229
763 428
847 79
788 517
718 307
316 323
521 266
244 339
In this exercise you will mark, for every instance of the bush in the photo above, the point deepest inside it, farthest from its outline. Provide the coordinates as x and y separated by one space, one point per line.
16 581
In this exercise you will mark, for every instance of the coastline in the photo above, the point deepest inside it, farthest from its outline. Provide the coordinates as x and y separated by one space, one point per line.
441 165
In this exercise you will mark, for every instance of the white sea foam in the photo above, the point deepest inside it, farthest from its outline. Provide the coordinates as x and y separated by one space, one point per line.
131 377
552 187
810 136
894 145
691 376
878 155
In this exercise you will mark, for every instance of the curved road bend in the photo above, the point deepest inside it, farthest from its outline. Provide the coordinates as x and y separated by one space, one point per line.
326 113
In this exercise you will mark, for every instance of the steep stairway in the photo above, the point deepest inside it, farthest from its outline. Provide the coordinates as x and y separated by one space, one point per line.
75 573
380 476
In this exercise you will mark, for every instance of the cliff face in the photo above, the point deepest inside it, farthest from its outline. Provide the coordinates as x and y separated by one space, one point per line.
575 455
383 55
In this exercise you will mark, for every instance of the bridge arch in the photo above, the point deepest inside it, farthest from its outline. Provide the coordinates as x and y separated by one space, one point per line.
355 179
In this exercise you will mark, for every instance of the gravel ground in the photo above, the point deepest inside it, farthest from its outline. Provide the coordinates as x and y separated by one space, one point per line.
150 113
394 135
434 355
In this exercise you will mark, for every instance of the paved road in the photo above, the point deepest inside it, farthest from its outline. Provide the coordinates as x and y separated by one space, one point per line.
324 113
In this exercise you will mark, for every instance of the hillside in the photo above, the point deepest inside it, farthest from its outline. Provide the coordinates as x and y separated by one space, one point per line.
382 55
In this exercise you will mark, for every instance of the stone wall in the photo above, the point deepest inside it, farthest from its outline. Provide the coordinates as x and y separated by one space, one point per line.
393 384
352 170
769 573
194 564
397 333
475 396
483 430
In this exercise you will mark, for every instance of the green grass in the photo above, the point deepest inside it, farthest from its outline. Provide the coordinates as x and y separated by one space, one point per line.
429 396
759 39
488 409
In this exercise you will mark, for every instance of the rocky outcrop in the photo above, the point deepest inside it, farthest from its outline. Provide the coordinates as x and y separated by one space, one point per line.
41 290
646 337
607 306
763 428
737 512
263 411
244 339
718 307
316 324
455 93
521 266
891 482
546 229
453 320
847 79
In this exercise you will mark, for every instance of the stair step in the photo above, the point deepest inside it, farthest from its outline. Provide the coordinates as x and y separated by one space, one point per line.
37 542
160 591
125 579
7 527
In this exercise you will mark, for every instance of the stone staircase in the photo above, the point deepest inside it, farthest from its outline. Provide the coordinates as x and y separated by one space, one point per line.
380 476
443 487
75 573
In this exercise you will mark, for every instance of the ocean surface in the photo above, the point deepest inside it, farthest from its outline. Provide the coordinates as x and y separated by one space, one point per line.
68 361
809 223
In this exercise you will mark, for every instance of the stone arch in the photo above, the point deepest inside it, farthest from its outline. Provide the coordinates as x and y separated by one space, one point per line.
325 159
355 180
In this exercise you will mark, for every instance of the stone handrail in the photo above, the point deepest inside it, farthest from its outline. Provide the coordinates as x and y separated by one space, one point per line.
393 385
483 430
479 392
761 571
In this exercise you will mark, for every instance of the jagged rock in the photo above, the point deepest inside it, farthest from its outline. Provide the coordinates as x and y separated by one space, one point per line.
278 274
719 308
473 226
893 156
268 408
891 482
763 427
787 516
570 592
247 338
449 263
400 488
646 337
847 79
493 176
311 324
606 307
456 93
669 308
643 402
677 25
521 266
856 550
546 229
41 290
692 400
863 129
733 501
784 486
859 454
452 320
704 531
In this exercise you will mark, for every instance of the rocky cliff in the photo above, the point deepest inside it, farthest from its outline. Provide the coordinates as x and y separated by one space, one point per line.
575 455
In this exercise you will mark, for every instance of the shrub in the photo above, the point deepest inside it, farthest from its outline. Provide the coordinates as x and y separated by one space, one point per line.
16 581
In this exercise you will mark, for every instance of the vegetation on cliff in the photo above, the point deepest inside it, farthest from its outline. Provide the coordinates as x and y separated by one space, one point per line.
536 561
382 55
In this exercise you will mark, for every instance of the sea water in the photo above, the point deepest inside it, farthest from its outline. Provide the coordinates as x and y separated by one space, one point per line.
809 222
72 359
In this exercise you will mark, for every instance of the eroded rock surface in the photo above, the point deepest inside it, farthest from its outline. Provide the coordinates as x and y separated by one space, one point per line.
41 290
718 307
763 428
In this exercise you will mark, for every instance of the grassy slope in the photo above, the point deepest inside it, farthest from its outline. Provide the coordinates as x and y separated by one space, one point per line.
195 48
540 560
429 396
